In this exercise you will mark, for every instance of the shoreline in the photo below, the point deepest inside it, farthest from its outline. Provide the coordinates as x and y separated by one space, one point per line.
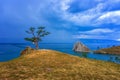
112 50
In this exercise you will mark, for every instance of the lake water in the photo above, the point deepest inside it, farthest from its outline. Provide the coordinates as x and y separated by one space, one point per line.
9 51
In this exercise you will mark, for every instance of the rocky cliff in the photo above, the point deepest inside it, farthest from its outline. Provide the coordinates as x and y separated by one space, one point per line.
79 47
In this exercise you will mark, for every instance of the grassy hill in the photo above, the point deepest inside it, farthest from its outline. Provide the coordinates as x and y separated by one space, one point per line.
111 50
53 65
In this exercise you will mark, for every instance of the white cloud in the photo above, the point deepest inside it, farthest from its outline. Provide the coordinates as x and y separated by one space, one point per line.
95 33
54 14
109 14
91 17
117 39
98 31
110 17
64 5
38 10
86 36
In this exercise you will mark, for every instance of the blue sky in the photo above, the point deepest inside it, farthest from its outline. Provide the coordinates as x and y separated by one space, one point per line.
67 20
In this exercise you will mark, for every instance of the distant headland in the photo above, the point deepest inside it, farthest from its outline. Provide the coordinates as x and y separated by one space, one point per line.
80 47
111 50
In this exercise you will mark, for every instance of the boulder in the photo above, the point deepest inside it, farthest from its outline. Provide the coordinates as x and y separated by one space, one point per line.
79 47
27 50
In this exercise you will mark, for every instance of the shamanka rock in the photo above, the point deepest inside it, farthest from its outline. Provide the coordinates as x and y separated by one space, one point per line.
79 47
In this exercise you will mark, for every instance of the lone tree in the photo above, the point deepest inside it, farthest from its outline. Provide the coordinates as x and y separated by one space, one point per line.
36 35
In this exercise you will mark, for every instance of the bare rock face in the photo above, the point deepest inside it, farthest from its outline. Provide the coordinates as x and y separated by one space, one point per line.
79 47
26 51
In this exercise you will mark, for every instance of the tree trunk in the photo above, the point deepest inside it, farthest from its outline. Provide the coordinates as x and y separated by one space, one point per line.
36 45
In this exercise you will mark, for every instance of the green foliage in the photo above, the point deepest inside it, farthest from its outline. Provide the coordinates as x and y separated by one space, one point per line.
41 32
31 30
29 39
84 54
36 34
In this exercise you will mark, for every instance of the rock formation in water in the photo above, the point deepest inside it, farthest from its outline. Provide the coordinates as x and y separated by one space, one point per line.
79 47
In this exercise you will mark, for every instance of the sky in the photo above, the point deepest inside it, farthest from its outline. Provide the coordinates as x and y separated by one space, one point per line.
66 20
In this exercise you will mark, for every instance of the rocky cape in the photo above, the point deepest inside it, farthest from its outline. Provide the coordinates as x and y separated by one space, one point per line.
111 50
80 47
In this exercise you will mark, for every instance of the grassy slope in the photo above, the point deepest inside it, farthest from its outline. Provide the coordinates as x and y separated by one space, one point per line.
53 65
112 50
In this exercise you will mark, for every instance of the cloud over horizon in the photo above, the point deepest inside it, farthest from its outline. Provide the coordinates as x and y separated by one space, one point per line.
79 18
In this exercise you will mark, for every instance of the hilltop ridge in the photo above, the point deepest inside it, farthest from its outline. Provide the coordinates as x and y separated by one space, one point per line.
54 65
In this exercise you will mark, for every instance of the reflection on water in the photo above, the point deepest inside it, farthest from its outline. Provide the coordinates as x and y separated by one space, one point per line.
114 59
83 54
105 57
117 59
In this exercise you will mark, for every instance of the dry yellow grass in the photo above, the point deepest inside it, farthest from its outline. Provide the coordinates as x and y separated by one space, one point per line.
53 65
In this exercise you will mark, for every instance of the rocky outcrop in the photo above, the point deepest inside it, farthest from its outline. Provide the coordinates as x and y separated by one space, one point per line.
111 50
79 47
27 50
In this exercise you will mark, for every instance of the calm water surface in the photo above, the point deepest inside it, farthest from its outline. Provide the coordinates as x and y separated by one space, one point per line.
9 51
